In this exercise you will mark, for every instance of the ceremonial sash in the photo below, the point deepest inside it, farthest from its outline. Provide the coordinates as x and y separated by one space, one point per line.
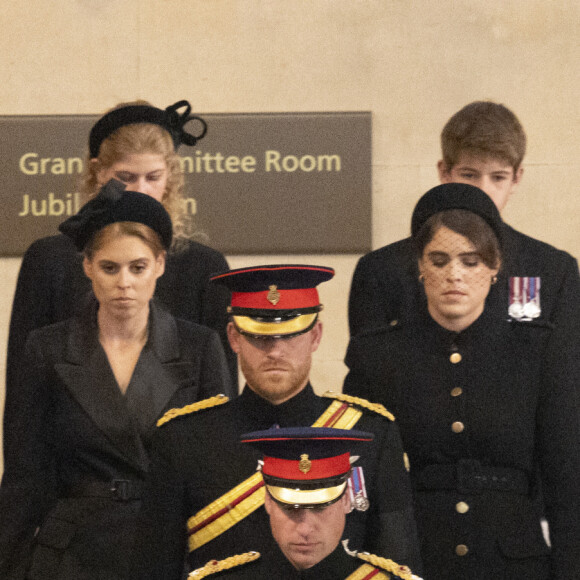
238 503
378 567
366 572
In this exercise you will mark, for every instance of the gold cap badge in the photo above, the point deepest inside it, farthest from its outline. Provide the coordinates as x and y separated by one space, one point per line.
304 464
273 296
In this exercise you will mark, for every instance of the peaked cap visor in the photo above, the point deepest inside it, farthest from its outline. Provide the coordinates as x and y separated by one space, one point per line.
307 498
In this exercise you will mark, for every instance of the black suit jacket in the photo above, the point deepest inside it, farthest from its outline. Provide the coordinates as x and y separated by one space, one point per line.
385 284
51 285
69 433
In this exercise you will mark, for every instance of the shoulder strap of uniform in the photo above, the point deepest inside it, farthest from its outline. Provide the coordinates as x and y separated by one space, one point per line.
387 565
193 408
375 407
215 566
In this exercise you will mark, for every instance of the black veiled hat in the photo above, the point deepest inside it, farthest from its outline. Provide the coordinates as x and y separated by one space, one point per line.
170 119
113 204
456 196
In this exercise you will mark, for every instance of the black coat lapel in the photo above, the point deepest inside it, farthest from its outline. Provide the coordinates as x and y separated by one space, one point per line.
160 372
89 378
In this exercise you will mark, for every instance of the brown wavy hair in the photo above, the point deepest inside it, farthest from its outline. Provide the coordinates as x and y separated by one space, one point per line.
484 129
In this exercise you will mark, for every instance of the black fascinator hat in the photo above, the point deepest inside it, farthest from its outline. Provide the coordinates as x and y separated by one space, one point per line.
170 119
113 204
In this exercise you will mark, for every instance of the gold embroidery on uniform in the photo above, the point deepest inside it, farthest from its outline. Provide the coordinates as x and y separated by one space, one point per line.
376 407
388 565
214 566
200 405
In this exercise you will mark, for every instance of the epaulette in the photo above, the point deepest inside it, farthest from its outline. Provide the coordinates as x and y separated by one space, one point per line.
215 566
388 565
375 407
193 408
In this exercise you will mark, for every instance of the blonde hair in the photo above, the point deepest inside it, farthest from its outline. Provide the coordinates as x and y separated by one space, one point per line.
136 139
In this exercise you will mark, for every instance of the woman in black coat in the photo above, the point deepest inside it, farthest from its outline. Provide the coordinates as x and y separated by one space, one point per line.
487 407
135 143
78 427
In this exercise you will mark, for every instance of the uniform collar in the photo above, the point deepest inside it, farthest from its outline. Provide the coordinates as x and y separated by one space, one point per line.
289 413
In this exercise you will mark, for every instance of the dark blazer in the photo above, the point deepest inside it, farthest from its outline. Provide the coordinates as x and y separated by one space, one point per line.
385 284
197 458
70 435
51 284
484 415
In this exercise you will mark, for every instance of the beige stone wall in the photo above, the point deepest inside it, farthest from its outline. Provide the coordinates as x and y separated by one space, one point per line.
412 63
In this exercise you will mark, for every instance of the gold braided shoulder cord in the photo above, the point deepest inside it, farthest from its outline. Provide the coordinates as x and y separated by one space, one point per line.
388 565
375 407
200 405
214 566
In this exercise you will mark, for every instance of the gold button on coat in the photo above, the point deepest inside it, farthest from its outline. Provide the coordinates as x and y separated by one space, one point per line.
462 507
457 427
455 358
461 550
456 392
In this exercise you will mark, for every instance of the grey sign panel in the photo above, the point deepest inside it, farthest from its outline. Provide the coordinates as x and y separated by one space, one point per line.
257 183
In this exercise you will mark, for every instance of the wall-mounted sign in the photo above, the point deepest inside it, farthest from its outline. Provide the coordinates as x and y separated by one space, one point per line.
266 183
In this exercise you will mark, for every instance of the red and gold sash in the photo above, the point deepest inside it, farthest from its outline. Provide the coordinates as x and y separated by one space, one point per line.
366 572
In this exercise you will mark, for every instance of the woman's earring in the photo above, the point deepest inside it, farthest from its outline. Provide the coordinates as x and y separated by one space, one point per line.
493 279
421 278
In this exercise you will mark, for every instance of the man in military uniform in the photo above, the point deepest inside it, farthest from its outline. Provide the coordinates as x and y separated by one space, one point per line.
205 495
306 473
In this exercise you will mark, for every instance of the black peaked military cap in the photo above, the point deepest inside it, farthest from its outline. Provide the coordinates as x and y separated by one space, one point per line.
279 300
306 467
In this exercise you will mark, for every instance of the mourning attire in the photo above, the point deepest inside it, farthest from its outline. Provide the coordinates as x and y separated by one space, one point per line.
51 285
198 458
272 564
488 416
76 448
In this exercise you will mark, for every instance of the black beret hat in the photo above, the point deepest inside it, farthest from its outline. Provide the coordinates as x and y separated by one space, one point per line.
172 121
456 196
113 204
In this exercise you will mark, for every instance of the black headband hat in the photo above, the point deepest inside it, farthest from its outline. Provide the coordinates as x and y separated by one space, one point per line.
113 204
170 119
456 196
